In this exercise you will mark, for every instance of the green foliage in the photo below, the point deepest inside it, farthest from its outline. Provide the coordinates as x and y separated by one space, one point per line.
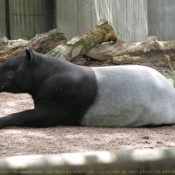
171 67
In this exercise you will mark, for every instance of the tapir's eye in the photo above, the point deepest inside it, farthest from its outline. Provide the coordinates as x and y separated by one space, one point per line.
11 75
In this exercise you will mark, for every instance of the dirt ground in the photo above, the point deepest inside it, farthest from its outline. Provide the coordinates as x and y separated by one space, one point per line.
23 141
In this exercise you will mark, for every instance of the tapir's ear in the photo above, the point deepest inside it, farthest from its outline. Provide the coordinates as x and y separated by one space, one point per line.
30 54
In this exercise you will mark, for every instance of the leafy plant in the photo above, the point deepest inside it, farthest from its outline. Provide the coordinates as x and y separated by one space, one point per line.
171 67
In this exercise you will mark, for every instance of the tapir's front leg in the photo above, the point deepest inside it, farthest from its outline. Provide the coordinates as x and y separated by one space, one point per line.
31 118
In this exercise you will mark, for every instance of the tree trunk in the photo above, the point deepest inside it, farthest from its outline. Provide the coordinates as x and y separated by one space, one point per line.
121 162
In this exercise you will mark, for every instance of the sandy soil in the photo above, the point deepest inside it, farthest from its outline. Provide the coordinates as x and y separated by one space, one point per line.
22 141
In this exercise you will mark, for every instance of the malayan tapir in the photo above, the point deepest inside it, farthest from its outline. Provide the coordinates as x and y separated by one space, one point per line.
68 94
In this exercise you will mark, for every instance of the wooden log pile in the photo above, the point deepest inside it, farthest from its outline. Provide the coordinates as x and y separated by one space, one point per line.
99 44
80 45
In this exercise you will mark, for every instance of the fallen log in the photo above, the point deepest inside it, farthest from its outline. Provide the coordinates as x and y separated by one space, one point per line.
121 162
118 48
80 45
41 43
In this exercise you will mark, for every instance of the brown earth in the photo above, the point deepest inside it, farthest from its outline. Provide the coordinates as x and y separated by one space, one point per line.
22 141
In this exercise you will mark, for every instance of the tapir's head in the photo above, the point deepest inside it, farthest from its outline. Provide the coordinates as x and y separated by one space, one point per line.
17 73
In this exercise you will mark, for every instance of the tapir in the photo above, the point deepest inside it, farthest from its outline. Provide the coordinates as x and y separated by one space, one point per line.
68 94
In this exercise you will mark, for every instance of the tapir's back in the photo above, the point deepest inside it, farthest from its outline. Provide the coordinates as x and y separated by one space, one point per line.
131 96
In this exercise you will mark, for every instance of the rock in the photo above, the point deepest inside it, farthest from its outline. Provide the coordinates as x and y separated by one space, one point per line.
79 61
126 59
3 40
146 137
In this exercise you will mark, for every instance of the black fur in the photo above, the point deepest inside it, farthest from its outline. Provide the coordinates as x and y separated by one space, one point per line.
62 92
